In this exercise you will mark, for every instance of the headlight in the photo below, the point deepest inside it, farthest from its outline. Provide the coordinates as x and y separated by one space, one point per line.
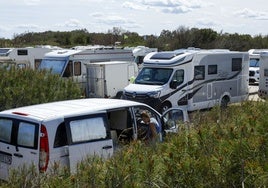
154 94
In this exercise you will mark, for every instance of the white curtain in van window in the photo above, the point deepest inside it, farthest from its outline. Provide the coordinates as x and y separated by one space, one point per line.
88 129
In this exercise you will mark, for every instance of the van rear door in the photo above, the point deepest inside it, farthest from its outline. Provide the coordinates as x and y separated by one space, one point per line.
18 145
88 136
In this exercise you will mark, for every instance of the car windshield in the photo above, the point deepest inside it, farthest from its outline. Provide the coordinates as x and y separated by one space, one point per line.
56 66
153 76
254 62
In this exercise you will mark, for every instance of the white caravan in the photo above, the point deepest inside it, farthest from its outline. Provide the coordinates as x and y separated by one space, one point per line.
140 52
195 78
254 69
263 82
108 79
64 133
30 56
70 63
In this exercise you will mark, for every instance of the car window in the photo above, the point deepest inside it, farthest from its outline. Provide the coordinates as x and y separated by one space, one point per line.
26 134
88 129
5 130
61 136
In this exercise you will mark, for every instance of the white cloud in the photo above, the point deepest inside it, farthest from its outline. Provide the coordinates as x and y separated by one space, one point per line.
248 13
31 2
73 23
133 6
27 26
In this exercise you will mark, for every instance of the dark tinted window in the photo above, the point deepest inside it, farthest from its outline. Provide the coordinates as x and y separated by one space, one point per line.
236 64
22 52
61 136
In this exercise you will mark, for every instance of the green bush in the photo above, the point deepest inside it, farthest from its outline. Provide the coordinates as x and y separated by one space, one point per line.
22 87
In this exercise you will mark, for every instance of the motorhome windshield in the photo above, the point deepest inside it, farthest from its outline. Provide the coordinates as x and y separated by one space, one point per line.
153 76
56 66
254 62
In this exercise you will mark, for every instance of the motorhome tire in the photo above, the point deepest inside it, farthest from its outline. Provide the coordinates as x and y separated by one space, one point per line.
224 102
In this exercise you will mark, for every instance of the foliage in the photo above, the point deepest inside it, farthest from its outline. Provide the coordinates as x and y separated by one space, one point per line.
182 37
220 148
21 87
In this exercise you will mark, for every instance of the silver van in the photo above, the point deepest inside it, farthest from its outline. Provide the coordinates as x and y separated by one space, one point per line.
66 132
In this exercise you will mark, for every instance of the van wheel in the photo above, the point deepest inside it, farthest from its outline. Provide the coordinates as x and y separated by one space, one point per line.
224 102
165 106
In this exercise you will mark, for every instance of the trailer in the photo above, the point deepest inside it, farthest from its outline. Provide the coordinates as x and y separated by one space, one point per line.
194 78
30 57
71 63
108 79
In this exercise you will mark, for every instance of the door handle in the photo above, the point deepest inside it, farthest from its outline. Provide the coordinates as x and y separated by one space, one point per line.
18 155
107 147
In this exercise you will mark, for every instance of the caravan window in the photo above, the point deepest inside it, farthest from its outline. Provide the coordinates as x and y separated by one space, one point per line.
266 72
236 64
77 68
212 69
69 70
199 72
22 52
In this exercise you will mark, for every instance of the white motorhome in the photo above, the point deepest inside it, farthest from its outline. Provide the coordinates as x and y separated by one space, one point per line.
195 78
64 133
254 69
70 63
140 52
263 82
30 56
108 79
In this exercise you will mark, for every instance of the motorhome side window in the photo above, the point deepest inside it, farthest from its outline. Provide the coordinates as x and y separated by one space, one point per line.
212 69
22 52
266 72
199 72
69 70
178 76
236 64
77 68
88 129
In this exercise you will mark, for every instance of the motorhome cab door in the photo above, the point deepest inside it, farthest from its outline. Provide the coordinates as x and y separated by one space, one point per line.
88 136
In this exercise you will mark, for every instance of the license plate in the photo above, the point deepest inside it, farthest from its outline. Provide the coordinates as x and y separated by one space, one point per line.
5 158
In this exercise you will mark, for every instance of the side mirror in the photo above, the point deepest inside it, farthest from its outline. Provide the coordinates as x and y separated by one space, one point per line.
173 84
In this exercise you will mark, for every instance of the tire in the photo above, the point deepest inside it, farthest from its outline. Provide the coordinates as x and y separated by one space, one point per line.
224 102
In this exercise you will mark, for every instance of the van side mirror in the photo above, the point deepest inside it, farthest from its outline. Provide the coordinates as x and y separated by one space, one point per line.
173 84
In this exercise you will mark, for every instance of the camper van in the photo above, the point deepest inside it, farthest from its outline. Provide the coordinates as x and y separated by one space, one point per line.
254 67
70 63
194 78
30 56
64 133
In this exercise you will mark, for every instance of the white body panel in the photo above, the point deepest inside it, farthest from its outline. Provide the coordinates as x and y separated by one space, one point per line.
263 83
107 79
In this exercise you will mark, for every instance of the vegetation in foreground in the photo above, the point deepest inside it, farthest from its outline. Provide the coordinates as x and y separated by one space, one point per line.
22 87
218 149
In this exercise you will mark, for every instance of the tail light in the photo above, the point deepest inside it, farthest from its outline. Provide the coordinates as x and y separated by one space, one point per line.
44 150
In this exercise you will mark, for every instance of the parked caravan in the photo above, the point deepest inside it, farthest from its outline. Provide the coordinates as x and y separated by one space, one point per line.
66 132
263 82
140 52
254 68
195 78
30 56
70 63
108 79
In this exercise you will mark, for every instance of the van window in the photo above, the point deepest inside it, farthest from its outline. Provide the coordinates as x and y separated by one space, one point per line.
212 69
61 136
88 129
26 134
77 68
236 64
199 72
178 76
5 130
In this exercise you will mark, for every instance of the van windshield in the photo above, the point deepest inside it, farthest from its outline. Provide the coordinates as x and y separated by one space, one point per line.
56 66
153 76
254 62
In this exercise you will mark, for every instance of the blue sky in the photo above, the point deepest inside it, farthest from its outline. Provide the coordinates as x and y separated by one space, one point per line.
145 17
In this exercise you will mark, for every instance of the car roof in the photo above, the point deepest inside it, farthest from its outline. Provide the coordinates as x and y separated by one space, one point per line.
69 107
